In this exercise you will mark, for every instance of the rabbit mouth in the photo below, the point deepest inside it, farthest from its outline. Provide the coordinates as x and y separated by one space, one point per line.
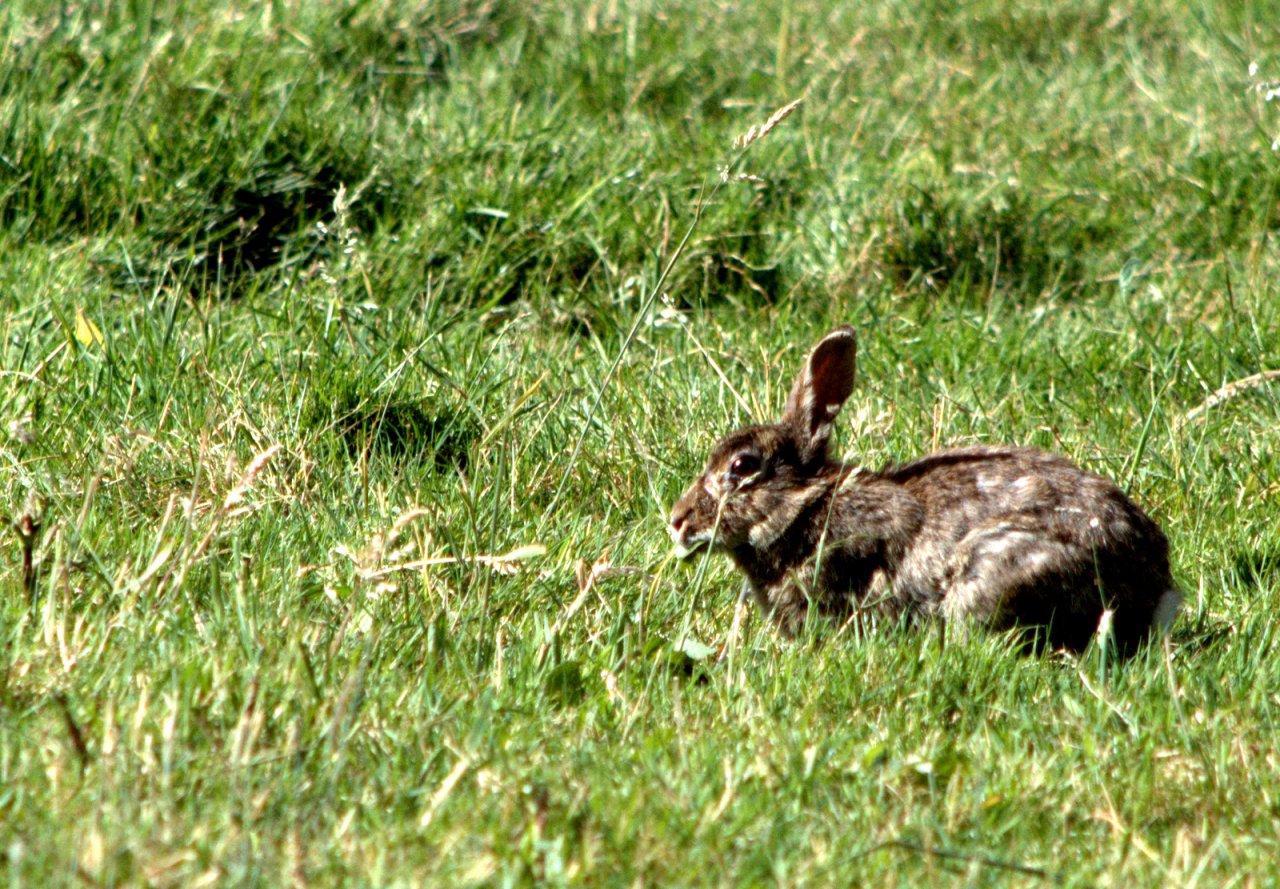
683 551
685 546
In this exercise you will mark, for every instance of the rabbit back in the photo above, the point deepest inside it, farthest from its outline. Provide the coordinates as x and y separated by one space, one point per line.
1019 537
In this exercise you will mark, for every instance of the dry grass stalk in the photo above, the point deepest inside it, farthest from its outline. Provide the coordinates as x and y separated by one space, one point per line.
236 495
442 792
756 133
586 580
726 176
1231 390
506 563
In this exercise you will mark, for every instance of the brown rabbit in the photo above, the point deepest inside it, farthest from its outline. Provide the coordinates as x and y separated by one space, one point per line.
1002 537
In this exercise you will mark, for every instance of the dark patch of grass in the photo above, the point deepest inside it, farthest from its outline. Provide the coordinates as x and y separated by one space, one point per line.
1254 568
740 257
397 52
49 185
527 260
721 272
263 221
1045 35
1236 195
1018 243
348 405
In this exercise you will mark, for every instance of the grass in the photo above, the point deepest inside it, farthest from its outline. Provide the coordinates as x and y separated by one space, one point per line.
308 306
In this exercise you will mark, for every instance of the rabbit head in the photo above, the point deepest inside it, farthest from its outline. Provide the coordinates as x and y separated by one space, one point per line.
759 479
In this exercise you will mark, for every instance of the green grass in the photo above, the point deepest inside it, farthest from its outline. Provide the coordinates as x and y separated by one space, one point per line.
235 405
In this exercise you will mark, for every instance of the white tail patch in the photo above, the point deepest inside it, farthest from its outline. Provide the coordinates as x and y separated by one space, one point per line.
1167 607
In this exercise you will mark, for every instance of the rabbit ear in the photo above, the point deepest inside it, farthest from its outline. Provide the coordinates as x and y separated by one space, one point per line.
819 392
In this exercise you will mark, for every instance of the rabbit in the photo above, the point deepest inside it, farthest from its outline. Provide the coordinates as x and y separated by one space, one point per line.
1005 538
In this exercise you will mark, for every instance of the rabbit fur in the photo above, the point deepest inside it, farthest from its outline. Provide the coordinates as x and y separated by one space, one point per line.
1008 538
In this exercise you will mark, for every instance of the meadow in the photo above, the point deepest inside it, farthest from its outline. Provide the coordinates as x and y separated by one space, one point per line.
354 352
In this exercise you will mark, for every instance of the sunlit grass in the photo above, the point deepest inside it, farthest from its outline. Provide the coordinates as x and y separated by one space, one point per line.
309 307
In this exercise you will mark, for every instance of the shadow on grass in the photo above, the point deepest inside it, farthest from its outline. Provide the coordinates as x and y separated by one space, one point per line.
400 427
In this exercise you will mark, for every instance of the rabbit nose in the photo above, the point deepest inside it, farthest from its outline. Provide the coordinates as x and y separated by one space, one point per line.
684 513
679 515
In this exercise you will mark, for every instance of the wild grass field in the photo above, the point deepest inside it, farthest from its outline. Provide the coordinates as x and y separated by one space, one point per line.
354 352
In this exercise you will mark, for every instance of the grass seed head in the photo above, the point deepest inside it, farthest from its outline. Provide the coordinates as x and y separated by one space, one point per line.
756 133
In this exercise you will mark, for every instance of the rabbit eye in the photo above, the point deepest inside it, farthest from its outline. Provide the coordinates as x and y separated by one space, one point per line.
743 465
